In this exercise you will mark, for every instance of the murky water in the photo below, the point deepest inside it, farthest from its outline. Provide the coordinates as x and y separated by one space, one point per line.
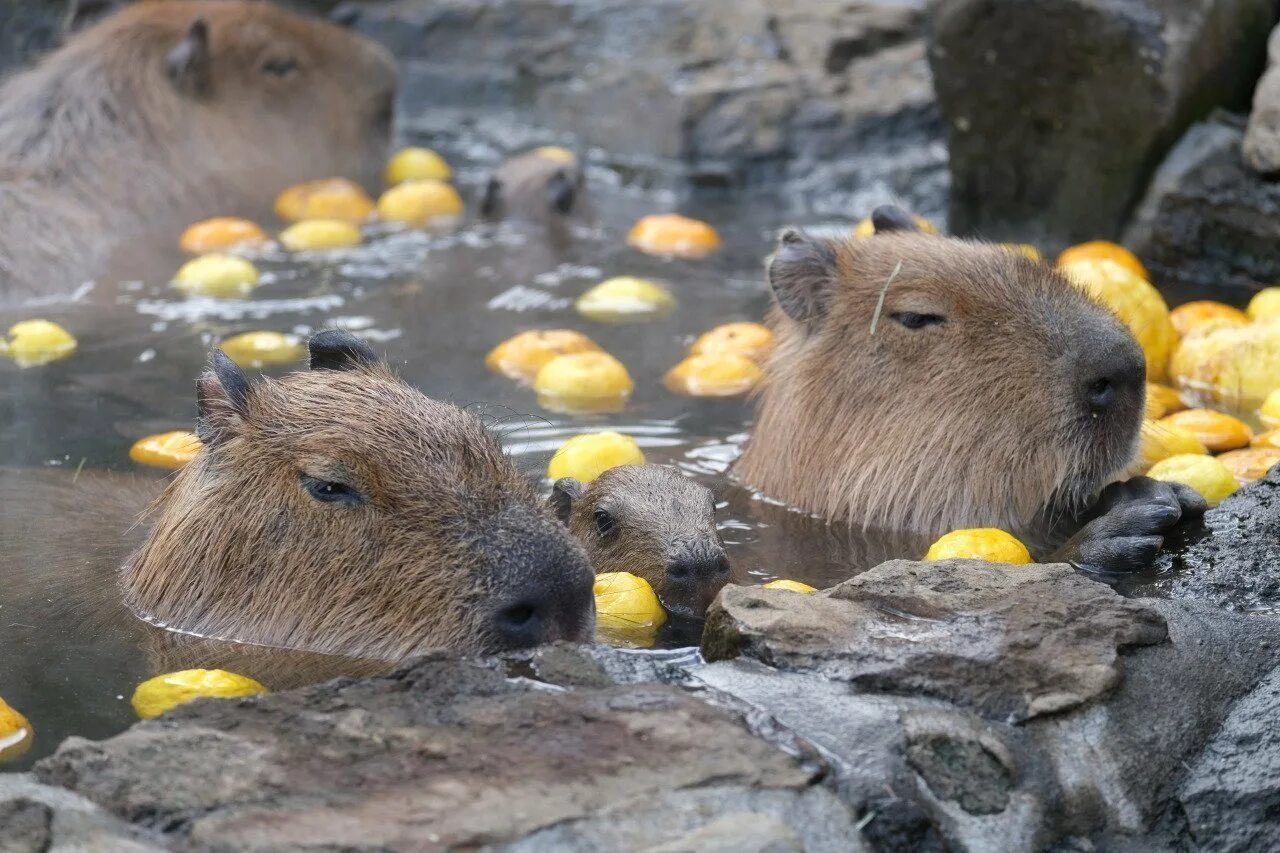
435 303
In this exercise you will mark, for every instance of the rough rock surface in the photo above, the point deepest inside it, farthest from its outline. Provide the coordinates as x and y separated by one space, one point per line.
1209 226
1010 642
1058 111
35 818
1261 145
443 754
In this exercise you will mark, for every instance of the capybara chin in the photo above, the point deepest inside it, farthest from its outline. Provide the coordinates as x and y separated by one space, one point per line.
925 384
651 521
341 511
163 113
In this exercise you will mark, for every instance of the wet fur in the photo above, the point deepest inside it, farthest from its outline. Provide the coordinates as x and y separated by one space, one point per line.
534 187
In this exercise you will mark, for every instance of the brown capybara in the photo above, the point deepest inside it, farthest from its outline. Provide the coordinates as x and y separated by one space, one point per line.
167 112
545 183
926 384
651 521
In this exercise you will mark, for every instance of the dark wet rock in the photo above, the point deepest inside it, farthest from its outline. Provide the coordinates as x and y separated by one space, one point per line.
1209 225
1261 145
35 818
451 754
1011 642
1234 561
1058 111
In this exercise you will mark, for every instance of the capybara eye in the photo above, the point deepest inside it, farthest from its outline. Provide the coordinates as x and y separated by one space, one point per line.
912 320
331 492
280 67
605 523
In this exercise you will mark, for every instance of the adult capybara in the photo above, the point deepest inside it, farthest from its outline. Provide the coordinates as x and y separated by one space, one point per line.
166 112
924 384
340 511
653 522
545 183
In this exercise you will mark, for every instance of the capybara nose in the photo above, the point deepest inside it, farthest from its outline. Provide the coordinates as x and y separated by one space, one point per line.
1113 376
699 569
522 624
693 581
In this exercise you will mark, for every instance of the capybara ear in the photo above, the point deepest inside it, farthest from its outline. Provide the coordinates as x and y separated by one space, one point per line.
223 397
563 494
83 13
345 14
801 273
335 349
888 218
562 192
489 198
190 63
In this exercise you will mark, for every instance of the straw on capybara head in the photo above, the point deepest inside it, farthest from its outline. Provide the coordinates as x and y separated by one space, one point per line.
165 112
339 510
651 521
924 384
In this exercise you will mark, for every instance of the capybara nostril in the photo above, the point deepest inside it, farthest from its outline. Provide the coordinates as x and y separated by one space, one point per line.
1101 395
699 569
1113 374
521 625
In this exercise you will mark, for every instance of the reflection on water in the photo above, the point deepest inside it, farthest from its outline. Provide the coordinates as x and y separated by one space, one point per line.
435 303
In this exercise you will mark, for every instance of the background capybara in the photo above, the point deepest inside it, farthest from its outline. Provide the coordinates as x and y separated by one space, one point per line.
170 111
546 183
653 522
891 400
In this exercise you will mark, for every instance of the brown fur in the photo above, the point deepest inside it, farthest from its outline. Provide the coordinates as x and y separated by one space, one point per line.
974 422
661 526
98 144
535 187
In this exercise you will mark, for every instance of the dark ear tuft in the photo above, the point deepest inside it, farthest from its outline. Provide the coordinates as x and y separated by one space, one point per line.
563 494
562 191
190 64
222 394
889 217
801 273
491 195
335 349
83 13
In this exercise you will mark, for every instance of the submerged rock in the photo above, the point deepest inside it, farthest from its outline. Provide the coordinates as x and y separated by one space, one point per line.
1058 110
1010 642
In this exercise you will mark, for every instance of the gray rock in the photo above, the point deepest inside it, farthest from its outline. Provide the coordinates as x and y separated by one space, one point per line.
1261 147
737 833
443 753
1209 226
1057 111
36 818
1011 642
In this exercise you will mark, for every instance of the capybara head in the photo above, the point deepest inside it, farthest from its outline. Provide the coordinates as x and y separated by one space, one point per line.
923 384
535 185
653 522
339 510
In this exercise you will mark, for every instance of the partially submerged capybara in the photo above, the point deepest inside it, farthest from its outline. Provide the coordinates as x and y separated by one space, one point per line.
651 521
539 184
925 384
165 112
339 510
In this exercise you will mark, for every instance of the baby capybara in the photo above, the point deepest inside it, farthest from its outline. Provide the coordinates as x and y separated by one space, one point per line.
537 185
167 112
925 384
651 521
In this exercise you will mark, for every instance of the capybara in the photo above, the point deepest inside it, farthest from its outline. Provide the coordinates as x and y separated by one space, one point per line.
166 112
537 185
924 384
653 522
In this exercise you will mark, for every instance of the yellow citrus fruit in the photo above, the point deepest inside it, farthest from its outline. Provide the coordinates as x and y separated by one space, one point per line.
16 733
1213 480
327 198
166 450
1270 438
983 543
794 586
1215 430
717 375
1193 317
1154 409
1104 250
260 349
418 202
585 457
1250 463
219 276
1234 366
673 235
34 342
318 234
1269 411
1025 249
625 299
415 164
583 382
556 153
627 609
749 339
220 234
1265 305
1159 441
1170 401
866 228
156 695
1139 305
521 357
